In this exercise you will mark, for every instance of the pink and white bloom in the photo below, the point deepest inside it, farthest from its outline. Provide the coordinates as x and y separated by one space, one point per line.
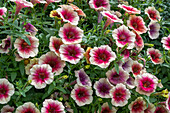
129 9
82 95
155 55
6 45
6 91
168 102
150 109
136 23
130 82
52 106
123 35
119 95
103 88
136 68
82 78
7 109
21 4
38 1
125 53
55 44
102 56
106 109
139 44
99 5
27 107
25 50
30 65
166 42
137 106
152 13
50 1
18 57
3 10
161 109
153 30
54 61
78 10
41 75
71 53
146 83
71 34
68 14
126 65
115 78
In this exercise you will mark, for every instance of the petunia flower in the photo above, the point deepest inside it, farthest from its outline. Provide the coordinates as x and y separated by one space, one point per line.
82 78
106 109
54 14
21 4
153 30
168 102
25 50
50 1
30 28
123 35
99 5
78 10
129 9
146 83
52 106
130 82
126 65
6 91
136 23
161 109
82 95
55 44
54 61
115 78
87 54
166 42
6 45
152 13
125 53
38 1
103 88
41 75
27 107
137 106
3 10
71 53
71 34
68 14
139 44
119 95
150 109
136 68
102 56
7 109
155 55
30 65
17 57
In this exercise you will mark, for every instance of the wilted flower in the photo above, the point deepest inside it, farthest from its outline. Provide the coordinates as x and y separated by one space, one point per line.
25 50
146 83
82 78
6 45
139 44
38 1
21 4
18 57
6 91
27 107
136 23
71 34
155 55
129 9
130 82
99 5
54 61
30 65
119 95
41 75
150 109
168 102
71 53
55 44
115 78
152 13
68 14
52 106
136 68
106 109
7 109
102 56
3 10
30 28
54 14
87 55
166 42
50 1
126 65
123 35
137 106
102 88
161 109
125 53
78 10
82 95
153 28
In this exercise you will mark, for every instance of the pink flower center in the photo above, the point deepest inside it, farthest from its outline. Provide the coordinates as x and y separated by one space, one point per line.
106 110
72 53
135 25
122 37
146 84
119 94
56 46
24 45
42 76
103 88
102 56
81 94
70 34
3 90
28 110
1 12
152 14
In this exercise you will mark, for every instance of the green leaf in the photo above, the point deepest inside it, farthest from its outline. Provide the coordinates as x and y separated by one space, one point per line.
100 108
26 39
61 89
13 76
51 87
51 31
22 93
21 68
116 67
27 88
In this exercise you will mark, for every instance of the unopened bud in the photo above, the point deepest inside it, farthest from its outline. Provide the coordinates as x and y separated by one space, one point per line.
65 76
87 66
149 45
